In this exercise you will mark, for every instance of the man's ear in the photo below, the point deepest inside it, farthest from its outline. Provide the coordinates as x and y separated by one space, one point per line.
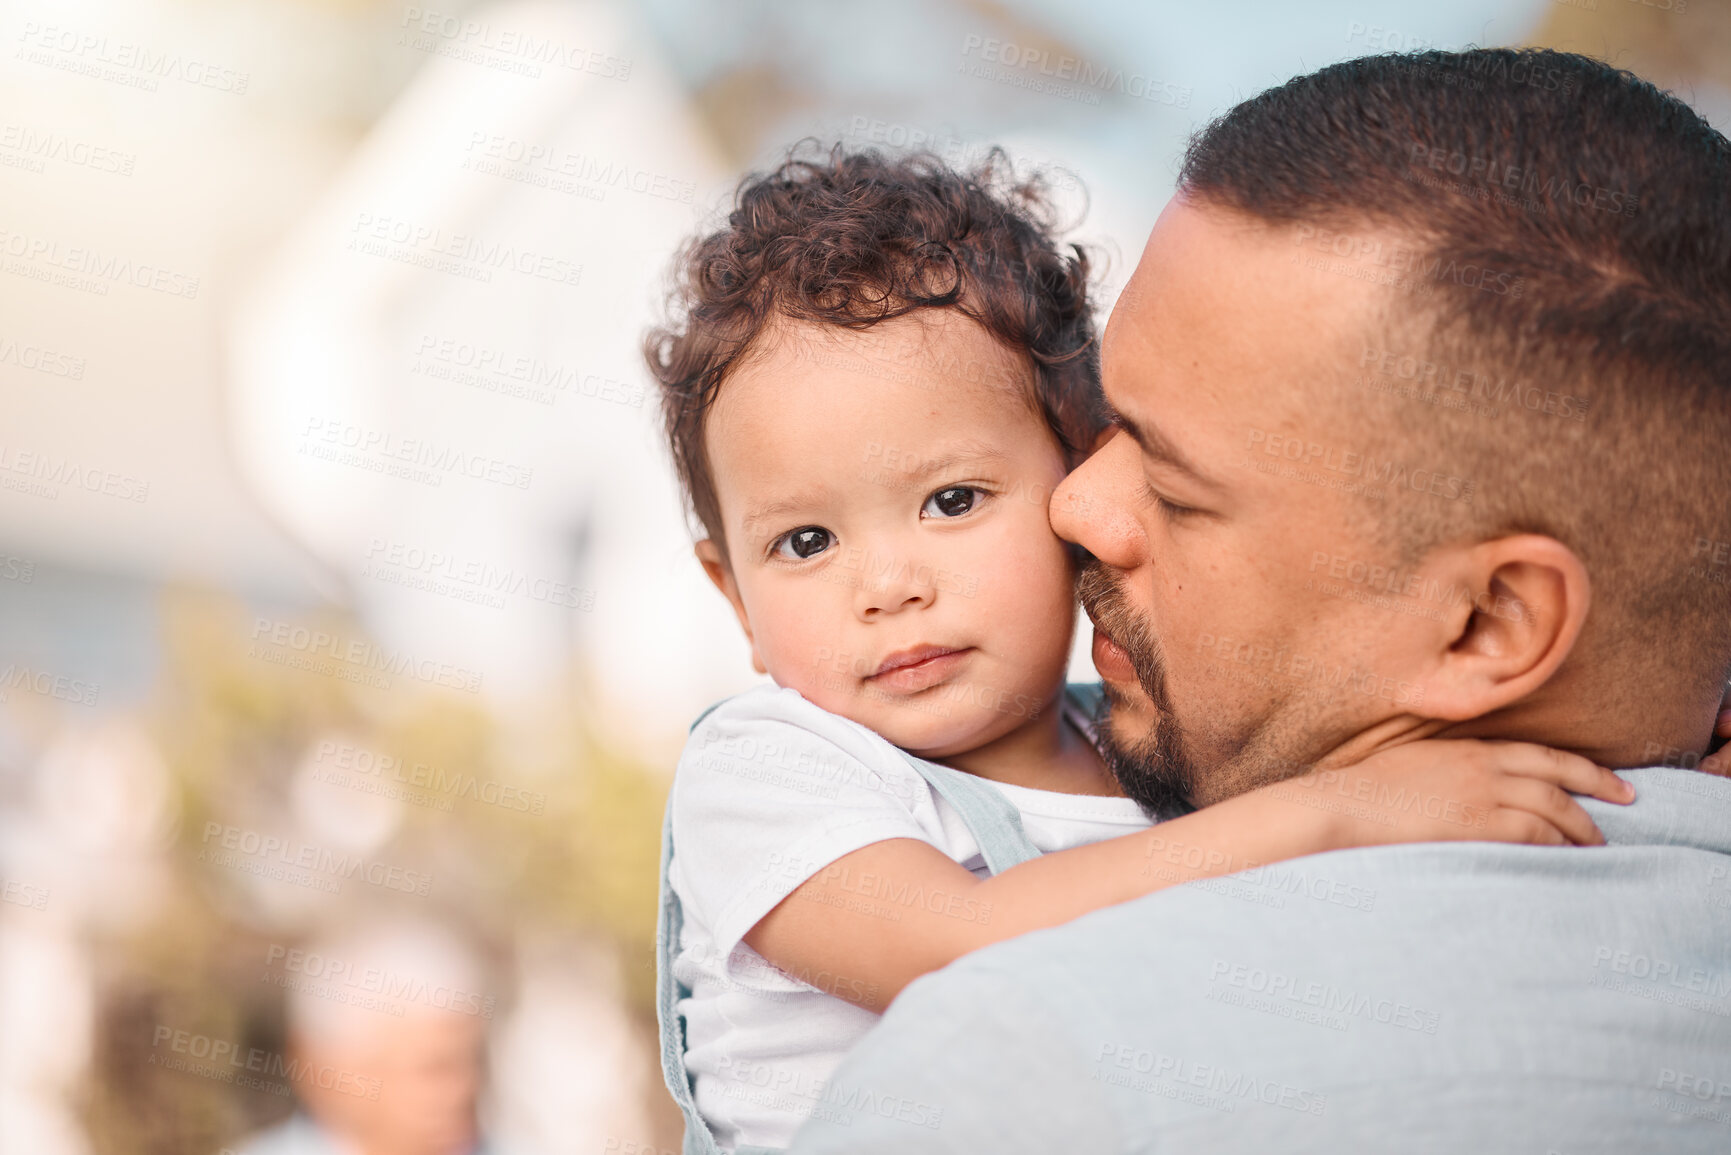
714 564
1523 603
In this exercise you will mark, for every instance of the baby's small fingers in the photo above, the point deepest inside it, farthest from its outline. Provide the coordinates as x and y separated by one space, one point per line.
1522 826
1608 787
1551 805
1718 763
1560 768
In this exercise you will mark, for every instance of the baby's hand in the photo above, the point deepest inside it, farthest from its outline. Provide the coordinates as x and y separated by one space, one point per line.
1461 790
1719 762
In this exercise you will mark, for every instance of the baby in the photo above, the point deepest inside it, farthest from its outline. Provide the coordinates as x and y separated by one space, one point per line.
875 375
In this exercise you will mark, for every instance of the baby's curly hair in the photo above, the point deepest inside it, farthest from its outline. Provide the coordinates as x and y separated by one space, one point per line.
853 239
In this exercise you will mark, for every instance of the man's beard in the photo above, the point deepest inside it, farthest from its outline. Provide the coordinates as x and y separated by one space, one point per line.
1155 770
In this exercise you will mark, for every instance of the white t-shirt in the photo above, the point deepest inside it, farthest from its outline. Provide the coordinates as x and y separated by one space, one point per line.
770 790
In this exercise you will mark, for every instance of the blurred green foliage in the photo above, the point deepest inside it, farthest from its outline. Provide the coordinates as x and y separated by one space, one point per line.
232 730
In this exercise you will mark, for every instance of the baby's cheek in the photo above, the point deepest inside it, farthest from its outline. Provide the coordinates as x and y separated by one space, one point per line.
787 626
813 665
1032 601
1030 573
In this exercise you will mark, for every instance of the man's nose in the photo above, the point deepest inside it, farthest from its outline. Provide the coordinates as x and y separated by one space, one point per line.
891 583
1097 505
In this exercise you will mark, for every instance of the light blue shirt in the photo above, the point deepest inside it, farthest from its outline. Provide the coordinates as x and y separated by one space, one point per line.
1444 997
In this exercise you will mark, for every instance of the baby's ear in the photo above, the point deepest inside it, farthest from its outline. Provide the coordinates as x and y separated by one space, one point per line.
714 564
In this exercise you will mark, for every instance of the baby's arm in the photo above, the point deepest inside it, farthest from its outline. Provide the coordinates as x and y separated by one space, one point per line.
845 920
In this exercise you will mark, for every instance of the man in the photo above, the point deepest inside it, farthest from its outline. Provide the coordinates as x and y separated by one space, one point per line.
1423 383
379 1073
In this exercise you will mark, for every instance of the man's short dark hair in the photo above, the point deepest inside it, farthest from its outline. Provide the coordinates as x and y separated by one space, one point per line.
1559 332
853 239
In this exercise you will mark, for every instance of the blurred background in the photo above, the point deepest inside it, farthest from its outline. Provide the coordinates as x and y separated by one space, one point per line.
349 628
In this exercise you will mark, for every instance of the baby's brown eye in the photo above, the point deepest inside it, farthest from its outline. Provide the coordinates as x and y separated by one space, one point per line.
952 502
806 542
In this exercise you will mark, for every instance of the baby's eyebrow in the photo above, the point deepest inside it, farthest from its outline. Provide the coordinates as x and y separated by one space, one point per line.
768 510
947 458
909 466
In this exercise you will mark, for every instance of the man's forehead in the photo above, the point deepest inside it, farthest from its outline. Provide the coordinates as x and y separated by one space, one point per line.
1171 258
1222 299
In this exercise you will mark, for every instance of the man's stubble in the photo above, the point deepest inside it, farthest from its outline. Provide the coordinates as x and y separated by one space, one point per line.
1156 770
1161 769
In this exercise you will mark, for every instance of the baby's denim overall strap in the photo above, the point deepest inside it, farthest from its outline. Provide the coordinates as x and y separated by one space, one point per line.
996 826
1085 696
668 992
995 823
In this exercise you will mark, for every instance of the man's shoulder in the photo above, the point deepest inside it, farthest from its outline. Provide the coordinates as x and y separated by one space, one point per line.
1450 894
1355 956
1250 1010
977 1065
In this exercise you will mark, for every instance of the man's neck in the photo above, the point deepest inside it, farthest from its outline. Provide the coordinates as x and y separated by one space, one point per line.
1665 734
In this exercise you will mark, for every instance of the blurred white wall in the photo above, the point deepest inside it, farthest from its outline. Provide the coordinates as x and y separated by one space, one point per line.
474 286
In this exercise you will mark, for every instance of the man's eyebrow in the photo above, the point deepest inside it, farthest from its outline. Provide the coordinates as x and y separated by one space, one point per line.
1155 445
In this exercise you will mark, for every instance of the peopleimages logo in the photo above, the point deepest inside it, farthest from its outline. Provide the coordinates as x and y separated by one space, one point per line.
506 49
354 763
343 980
47 472
905 894
249 850
1231 1087
1068 76
562 170
1323 996
1410 267
497 370
40 359
353 659
228 1062
122 62
1429 377
1265 663
87 269
413 458
1361 467
1488 176
467 579
463 254
35 148
61 687
1653 969
23 894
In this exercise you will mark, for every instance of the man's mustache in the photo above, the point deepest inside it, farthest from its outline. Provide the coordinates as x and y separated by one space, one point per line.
1101 595
1155 769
